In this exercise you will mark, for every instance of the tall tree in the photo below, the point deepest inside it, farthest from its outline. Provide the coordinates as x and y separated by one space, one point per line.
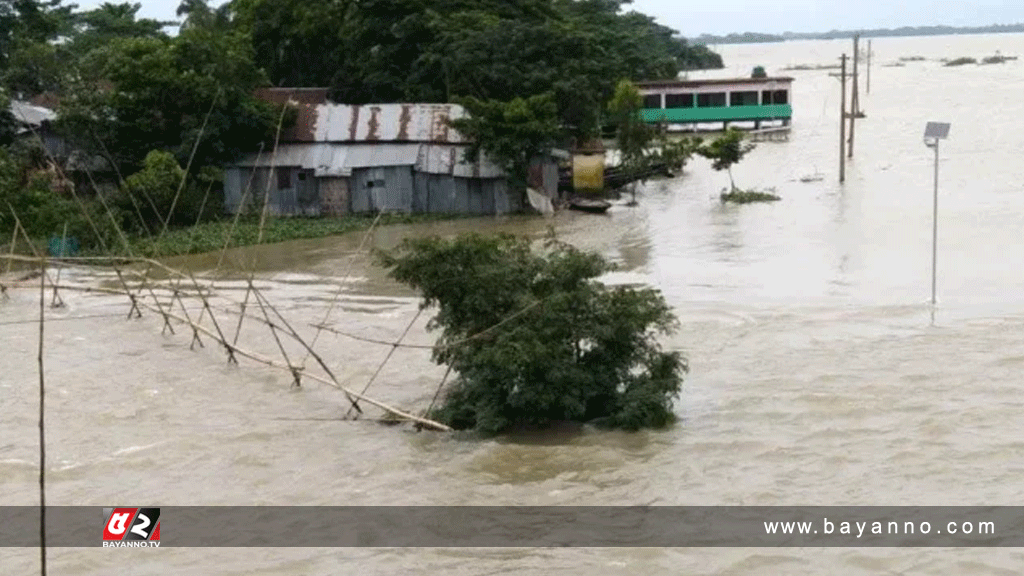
173 94
99 27
512 133
30 62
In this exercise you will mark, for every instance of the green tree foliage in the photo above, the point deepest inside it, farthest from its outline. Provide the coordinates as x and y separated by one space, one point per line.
101 26
511 133
758 72
633 135
535 338
143 94
8 124
698 56
30 60
419 50
726 151
644 147
44 205
159 189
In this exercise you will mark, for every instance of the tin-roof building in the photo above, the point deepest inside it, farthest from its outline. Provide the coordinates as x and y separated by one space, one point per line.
340 159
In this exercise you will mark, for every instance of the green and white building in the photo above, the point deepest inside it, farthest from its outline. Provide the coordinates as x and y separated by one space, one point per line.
695 104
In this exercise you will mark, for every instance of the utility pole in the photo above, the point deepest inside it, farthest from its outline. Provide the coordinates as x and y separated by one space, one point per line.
842 122
869 66
854 97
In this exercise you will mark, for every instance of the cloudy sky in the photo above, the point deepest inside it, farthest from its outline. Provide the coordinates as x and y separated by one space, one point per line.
694 17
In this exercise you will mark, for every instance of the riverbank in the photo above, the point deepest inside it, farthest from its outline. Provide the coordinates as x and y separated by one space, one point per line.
212 236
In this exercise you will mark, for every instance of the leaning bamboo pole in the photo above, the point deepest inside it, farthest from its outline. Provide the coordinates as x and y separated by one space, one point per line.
271 363
219 337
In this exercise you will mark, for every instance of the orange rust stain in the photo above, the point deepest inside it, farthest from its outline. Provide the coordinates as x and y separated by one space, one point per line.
403 122
374 124
353 127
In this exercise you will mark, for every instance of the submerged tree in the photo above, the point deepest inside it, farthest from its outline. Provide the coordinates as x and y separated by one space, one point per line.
535 338
512 133
725 151
632 134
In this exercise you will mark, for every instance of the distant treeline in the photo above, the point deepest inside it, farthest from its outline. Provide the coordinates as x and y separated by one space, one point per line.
756 37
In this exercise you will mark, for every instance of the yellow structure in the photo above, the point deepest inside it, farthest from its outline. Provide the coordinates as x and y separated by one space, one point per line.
588 172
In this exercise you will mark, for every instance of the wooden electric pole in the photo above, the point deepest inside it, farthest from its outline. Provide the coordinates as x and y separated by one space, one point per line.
854 97
869 67
842 122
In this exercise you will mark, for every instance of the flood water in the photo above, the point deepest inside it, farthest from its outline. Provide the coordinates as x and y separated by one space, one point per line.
820 374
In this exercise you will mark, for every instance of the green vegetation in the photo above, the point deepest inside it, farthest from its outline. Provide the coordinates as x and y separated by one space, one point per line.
155 116
211 236
912 59
512 133
744 38
534 338
644 149
961 61
725 151
737 196
755 37
812 67
758 72
997 59
428 51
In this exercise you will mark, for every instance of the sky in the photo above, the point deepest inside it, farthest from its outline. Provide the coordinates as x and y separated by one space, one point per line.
695 17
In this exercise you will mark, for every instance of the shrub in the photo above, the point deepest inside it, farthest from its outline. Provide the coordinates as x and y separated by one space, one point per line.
534 338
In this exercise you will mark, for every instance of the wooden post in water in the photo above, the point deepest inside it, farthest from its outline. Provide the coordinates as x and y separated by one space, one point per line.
869 67
842 122
854 100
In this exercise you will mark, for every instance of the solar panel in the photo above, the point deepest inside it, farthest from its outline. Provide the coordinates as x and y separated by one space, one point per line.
936 130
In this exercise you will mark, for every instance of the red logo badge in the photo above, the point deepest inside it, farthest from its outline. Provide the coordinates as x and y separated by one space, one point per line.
132 524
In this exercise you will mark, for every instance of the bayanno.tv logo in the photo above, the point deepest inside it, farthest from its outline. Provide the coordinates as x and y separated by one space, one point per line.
131 528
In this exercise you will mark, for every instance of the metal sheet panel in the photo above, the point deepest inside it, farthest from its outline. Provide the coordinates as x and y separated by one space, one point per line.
31 114
387 123
379 155
297 155
450 159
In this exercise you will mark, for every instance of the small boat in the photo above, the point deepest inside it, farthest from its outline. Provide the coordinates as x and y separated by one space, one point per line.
589 205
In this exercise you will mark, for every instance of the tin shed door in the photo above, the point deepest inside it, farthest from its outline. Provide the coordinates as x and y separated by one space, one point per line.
306 193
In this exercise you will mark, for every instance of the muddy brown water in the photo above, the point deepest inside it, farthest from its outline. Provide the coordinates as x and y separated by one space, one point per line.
819 373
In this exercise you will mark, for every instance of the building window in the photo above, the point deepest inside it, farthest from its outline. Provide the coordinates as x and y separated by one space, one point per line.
652 101
302 176
678 100
711 100
775 97
743 98
284 178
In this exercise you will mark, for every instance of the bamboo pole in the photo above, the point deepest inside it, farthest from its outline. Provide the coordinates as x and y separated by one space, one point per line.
341 287
219 337
273 331
268 362
63 247
394 347
17 225
14 241
42 420
263 220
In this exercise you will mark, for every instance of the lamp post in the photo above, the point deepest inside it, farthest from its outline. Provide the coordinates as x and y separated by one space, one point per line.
933 133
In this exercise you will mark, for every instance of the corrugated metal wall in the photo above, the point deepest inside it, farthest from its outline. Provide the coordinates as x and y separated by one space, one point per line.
381 189
443 194
302 197
334 199
393 189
